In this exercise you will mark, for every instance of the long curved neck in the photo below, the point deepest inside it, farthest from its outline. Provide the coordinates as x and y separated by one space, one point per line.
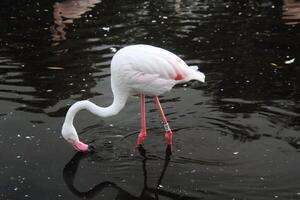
117 105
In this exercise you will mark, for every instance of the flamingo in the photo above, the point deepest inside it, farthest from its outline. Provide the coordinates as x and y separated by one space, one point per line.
137 69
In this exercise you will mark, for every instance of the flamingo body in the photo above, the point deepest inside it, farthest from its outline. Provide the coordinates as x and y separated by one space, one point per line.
144 69
137 69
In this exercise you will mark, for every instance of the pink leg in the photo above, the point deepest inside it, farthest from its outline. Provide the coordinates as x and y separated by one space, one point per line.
169 133
143 131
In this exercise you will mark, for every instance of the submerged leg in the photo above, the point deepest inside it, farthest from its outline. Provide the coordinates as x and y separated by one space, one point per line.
143 131
169 133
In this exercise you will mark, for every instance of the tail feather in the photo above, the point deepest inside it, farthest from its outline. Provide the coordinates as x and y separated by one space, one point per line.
197 75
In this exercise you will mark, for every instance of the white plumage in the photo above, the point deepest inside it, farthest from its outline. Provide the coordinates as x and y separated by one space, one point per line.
137 69
150 70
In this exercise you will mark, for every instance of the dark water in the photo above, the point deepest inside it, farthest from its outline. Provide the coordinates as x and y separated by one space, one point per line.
235 137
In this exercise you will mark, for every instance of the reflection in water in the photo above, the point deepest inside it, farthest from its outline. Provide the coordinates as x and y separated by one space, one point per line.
177 6
70 170
65 12
291 12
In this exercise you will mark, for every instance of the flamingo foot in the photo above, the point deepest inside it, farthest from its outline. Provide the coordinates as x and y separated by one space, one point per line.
80 146
169 136
141 137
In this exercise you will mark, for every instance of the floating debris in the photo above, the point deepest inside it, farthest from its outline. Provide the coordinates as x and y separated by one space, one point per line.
288 62
274 64
236 153
105 28
112 49
56 68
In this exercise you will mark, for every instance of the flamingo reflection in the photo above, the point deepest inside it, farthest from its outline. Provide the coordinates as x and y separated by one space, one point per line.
65 12
291 12
70 170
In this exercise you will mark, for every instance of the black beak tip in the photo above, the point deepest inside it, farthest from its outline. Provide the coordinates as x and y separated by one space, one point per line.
91 148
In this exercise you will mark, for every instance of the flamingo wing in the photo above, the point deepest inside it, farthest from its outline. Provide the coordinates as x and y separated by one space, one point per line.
150 84
151 70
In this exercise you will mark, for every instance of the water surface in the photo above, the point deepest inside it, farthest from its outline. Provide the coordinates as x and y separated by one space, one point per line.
235 137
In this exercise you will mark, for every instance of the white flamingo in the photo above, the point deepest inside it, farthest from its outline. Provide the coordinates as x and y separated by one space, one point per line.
137 69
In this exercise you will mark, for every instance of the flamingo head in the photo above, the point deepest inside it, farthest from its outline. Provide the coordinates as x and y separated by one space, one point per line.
69 133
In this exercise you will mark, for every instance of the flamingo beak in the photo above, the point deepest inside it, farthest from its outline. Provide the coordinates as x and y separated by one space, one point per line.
80 146
91 148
